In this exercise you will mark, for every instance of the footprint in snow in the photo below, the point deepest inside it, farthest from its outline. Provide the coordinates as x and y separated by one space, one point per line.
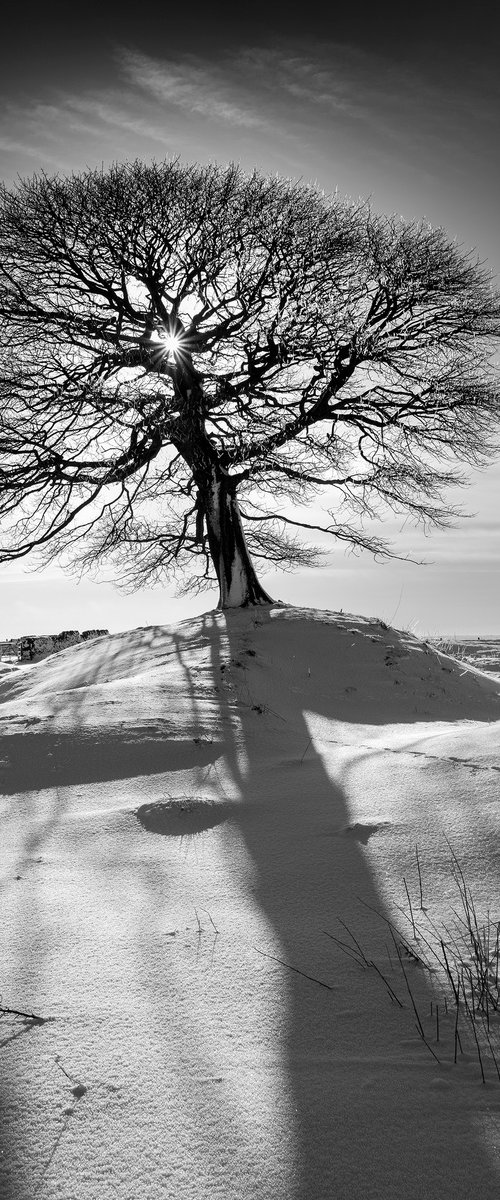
181 815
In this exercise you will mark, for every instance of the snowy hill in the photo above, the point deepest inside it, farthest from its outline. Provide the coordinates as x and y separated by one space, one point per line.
187 813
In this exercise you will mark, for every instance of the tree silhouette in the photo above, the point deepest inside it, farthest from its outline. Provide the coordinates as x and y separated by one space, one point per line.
190 355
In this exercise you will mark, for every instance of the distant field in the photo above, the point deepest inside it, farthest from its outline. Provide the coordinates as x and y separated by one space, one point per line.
481 652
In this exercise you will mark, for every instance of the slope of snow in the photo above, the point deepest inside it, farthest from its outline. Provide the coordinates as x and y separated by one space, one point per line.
185 811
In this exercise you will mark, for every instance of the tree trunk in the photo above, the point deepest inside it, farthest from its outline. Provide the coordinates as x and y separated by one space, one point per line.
218 505
238 581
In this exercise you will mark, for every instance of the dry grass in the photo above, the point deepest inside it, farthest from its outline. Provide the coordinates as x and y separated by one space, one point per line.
461 958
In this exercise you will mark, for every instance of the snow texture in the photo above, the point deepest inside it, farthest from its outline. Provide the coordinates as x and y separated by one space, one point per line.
184 812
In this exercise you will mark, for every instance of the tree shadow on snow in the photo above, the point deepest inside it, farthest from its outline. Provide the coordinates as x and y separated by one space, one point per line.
37 761
345 1123
352 1117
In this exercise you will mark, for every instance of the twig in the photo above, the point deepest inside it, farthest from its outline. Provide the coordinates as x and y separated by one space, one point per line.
400 935
387 984
277 714
410 993
474 1030
16 1012
305 751
421 937
64 1071
456 990
356 943
296 969
210 919
492 1052
419 878
457 1014
411 910
362 962
79 1089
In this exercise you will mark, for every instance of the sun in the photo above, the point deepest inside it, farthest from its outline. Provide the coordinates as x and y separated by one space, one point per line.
165 343
171 343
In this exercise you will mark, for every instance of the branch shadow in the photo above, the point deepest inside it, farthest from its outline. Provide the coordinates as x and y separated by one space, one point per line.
346 1115
351 1111
38 761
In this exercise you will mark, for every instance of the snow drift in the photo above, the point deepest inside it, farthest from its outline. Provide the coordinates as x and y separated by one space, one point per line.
187 813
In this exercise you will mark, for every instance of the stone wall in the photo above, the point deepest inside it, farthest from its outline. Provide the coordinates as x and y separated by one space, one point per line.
33 648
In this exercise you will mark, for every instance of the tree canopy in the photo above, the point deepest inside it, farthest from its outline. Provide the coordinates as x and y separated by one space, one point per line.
190 355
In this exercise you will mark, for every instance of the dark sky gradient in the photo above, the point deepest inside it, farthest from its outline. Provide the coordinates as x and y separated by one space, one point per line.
401 103
397 103
50 37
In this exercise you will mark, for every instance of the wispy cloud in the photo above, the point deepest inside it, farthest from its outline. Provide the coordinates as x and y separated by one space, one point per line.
193 85
352 83
115 114
288 97
20 148
318 79
69 131
88 115
348 114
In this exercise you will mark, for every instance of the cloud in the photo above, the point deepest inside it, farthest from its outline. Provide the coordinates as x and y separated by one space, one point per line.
88 115
347 115
309 78
68 131
23 149
351 83
197 87
114 113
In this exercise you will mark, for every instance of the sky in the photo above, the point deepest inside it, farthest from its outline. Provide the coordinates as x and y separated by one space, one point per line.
398 104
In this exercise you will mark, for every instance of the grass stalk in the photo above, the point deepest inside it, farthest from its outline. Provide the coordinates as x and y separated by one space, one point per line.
295 969
412 918
419 878
410 993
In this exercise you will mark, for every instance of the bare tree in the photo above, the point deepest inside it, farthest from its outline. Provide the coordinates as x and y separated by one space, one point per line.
190 355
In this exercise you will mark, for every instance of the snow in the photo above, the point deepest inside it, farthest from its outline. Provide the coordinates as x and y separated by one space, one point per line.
185 811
